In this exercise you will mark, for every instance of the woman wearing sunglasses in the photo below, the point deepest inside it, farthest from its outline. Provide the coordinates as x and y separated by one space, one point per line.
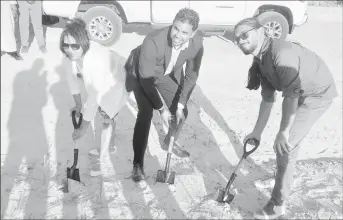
103 74
308 89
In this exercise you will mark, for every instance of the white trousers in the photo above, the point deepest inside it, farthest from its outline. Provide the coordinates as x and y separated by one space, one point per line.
8 41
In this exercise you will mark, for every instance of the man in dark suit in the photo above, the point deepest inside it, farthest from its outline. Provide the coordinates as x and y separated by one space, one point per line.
164 70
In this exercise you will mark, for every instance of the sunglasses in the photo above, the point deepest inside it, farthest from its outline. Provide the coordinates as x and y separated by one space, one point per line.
243 36
72 46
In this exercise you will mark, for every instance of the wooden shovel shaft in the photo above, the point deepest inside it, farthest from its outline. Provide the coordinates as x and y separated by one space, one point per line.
233 175
167 163
170 147
171 144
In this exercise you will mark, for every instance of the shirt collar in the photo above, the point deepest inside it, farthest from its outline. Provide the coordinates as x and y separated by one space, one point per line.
183 46
263 49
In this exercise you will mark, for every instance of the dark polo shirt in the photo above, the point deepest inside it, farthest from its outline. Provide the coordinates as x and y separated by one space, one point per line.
293 69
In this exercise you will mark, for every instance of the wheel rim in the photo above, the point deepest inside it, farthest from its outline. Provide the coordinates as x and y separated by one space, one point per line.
274 29
101 28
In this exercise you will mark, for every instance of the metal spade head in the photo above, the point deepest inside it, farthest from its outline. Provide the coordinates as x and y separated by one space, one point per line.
73 173
223 196
164 177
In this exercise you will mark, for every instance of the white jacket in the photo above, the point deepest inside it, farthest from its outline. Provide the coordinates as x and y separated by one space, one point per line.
104 77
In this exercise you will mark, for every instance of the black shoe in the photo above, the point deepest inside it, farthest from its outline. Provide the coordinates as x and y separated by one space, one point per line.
138 173
176 148
15 55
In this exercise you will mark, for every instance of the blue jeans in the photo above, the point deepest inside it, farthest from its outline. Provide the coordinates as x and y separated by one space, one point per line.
309 111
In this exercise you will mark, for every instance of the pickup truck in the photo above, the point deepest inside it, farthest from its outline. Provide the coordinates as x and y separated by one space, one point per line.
105 19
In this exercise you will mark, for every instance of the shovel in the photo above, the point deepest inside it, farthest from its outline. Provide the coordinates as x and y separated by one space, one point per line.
223 195
72 172
165 176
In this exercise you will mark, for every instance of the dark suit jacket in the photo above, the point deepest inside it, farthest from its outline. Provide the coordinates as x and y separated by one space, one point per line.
149 61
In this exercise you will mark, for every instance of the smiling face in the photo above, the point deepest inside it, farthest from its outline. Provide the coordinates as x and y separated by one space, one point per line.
246 38
181 32
72 49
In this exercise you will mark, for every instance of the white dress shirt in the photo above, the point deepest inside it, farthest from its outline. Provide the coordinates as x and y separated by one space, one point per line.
175 54
104 78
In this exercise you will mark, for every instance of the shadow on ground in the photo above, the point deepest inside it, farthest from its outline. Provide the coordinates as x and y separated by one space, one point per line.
24 175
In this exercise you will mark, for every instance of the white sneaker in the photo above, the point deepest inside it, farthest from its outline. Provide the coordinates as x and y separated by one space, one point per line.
95 170
94 152
270 211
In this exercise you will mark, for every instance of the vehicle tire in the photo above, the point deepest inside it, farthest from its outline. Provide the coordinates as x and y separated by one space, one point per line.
275 23
103 24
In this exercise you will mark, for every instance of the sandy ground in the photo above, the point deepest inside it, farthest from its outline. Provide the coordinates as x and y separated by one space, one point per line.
36 143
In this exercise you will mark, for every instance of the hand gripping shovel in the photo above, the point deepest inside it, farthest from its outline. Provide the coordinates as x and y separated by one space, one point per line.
223 195
72 172
165 176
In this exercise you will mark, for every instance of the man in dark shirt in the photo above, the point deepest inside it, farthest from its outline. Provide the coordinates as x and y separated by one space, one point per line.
164 70
307 87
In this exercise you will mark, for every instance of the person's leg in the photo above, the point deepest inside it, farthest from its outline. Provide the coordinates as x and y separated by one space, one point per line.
36 18
15 11
108 127
24 23
106 119
307 114
141 132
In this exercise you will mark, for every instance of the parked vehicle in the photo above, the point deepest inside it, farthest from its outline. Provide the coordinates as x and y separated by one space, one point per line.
105 19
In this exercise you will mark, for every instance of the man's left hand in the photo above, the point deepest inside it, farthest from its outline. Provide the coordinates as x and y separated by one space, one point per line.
179 115
281 144
78 133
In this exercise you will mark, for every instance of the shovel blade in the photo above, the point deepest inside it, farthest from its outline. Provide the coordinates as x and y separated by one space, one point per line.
171 178
223 197
163 177
73 173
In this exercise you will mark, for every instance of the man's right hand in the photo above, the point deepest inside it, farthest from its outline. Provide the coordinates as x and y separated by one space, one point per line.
166 117
252 135
77 109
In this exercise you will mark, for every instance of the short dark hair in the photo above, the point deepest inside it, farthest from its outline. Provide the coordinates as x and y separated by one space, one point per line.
77 29
188 15
253 22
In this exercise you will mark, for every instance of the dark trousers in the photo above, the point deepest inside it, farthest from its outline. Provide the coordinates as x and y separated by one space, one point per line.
170 90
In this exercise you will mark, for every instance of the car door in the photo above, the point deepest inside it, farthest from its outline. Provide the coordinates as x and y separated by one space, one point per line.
163 12
219 12
65 9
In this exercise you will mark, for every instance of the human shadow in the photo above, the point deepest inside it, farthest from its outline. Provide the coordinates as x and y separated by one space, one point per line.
24 171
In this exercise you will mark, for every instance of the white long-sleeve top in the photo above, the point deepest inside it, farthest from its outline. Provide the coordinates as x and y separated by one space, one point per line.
104 78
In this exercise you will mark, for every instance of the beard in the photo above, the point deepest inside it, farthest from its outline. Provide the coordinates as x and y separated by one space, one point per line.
247 51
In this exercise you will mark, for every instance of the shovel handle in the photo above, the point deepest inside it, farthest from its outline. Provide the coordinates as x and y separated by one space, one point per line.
73 117
247 153
76 157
